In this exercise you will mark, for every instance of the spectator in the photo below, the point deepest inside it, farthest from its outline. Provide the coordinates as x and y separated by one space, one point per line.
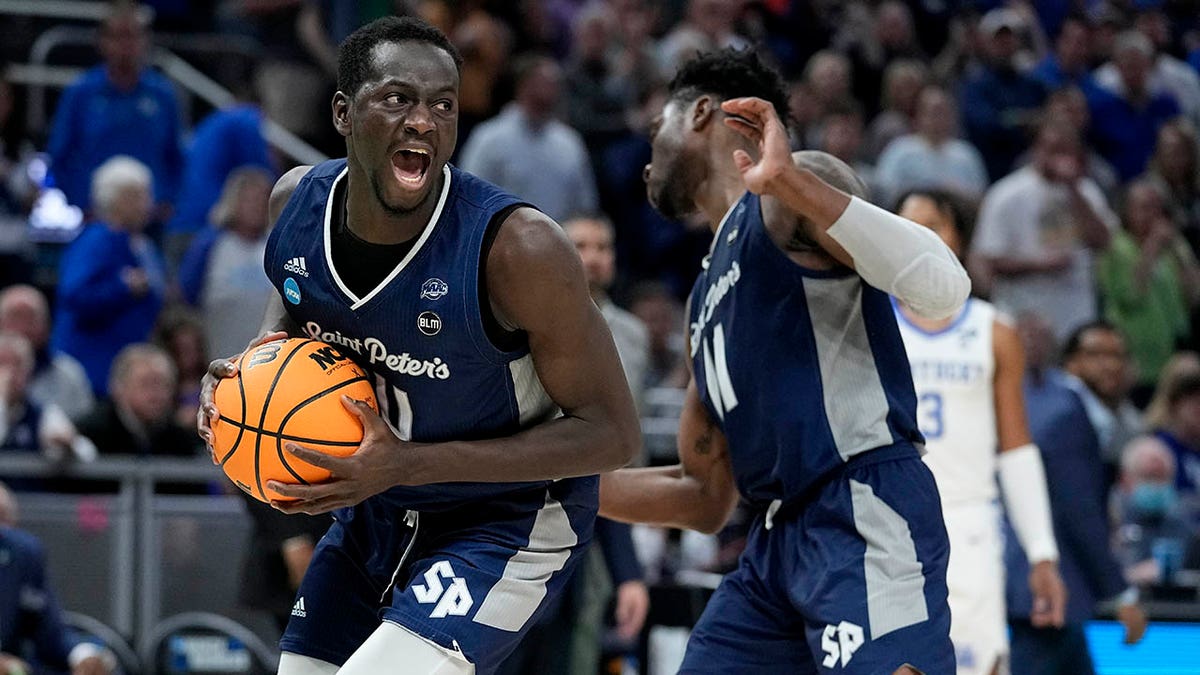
890 37
26 426
222 273
528 152
1069 105
1149 281
932 157
138 418
32 632
903 81
180 333
1177 367
593 239
599 91
1154 528
841 135
224 141
1125 123
111 279
1181 433
1037 232
707 25
1168 76
57 377
662 314
1000 103
827 79
1097 363
118 108
1069 64
1070 451
1175 167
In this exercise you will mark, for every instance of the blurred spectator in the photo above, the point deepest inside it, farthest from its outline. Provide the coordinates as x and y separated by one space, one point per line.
1181 433
1070 451
1037 232
593 239
111 278
1181 365
32 632
121 107
707 25
888 37
841 135
1097 361
599 90
662 315
181 334
1069 106
57 377
222 273
1125 122
827 79
1149 282
1168 75
278 554
138 417
26 426
1000 103
931 156
1069 63
1175 167
1154 529
226 140
485 44
903 81
530 153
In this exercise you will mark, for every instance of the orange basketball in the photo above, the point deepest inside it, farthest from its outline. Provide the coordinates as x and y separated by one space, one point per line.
287 391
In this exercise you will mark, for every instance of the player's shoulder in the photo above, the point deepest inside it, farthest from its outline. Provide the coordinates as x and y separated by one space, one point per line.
284 188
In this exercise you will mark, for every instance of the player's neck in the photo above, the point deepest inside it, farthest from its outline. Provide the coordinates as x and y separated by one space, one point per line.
926 324
372 223
717 193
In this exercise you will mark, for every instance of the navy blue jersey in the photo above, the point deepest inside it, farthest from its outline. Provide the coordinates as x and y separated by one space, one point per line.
801 369
420 332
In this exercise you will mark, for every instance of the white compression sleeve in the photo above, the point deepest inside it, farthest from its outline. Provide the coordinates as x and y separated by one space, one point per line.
1023 481
902 258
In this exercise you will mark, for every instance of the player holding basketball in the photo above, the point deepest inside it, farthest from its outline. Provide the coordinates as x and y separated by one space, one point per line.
968 371
500 390
801 397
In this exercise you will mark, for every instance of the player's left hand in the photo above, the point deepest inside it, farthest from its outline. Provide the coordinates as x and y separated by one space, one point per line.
633 602
757 120
1049 595
367 472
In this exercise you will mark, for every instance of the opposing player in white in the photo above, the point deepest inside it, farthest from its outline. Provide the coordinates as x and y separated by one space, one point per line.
967 370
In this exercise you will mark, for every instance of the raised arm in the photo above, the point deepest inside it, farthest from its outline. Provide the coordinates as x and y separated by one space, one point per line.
891 253
699 493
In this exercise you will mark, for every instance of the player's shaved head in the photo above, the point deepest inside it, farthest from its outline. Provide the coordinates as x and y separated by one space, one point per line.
833 171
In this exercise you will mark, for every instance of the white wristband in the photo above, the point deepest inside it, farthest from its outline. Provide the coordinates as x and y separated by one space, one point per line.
899 257
1023 481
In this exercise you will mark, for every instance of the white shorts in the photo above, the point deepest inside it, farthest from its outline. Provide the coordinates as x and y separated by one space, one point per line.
975 578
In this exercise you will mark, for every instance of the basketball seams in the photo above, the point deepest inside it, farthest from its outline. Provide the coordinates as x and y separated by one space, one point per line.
279 437
287 437
263 418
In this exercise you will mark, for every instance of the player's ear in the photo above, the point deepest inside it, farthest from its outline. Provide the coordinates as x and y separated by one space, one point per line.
704 111
341 113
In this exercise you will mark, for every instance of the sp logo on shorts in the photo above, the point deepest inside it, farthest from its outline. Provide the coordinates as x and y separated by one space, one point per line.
452 600
840 642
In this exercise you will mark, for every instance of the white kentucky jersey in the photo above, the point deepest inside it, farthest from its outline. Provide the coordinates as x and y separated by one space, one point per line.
952 371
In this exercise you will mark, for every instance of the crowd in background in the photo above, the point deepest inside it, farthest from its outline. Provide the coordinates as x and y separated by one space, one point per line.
1066 129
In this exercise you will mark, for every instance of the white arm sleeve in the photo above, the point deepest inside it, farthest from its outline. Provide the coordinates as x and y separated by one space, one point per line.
1023 481
902 258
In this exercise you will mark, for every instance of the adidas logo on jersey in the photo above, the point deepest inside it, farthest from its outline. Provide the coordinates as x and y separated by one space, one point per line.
452 600
298 608
296 266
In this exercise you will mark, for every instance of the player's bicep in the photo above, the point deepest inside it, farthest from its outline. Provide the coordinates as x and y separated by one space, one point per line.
1012 429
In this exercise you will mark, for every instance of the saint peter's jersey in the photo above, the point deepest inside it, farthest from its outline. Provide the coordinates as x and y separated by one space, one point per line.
419 333
801 369
953 373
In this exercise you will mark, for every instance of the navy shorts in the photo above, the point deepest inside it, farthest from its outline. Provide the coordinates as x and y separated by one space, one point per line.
855 582
472 579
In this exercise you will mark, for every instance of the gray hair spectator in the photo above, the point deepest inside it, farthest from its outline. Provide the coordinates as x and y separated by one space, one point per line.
57 377
1154 533
26 426
903 81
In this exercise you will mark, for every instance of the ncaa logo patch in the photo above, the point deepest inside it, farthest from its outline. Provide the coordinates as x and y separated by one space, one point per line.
291 291
429 323
433 289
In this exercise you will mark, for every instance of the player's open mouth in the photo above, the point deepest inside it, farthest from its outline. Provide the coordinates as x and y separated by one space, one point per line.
410 166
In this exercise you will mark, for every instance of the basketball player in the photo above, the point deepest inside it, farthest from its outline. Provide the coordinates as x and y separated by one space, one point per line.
801 397
473 493
968 371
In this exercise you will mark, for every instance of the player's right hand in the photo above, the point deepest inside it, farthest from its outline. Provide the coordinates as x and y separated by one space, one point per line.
219 369
1133 617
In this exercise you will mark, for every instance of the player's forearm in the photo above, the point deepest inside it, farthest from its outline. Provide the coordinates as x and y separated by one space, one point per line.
562 448
663 496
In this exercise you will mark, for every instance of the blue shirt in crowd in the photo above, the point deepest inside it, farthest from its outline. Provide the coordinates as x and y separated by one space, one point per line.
96 121
30 620
998 105
1125 135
